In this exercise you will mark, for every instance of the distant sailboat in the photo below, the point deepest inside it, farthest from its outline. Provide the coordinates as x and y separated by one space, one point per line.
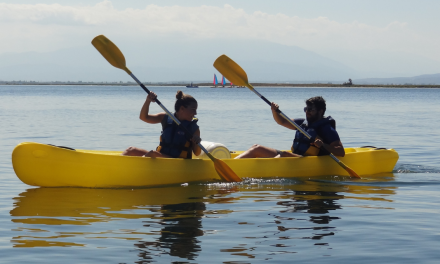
223 81
192 86
215 82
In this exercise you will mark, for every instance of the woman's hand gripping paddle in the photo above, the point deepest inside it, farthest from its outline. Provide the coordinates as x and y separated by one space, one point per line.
115 57
235 74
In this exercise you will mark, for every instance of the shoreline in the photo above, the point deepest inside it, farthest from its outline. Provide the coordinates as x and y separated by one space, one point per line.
269 85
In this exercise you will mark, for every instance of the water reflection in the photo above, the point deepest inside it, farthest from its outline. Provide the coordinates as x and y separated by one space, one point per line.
41 208
317 201
181 225
171 221
319 208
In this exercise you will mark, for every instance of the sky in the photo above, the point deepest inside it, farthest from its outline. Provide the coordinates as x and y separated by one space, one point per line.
365 35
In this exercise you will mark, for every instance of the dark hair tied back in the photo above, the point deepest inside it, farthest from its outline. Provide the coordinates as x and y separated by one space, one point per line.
183 100
179 95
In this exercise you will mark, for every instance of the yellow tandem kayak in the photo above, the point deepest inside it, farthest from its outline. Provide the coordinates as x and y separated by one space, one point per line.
51 166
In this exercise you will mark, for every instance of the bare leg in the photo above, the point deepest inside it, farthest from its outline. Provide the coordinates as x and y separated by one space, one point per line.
133 151
258 151
285 154
155 154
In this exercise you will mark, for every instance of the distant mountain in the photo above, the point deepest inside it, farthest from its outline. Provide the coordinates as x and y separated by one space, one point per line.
161 60
186 60
433 79
386 63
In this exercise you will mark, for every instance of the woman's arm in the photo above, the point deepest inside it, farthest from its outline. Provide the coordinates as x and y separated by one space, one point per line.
145 116
196 140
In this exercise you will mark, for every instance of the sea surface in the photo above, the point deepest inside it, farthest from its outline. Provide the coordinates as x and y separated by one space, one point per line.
387 218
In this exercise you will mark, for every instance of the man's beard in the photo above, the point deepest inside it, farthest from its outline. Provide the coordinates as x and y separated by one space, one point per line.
312 119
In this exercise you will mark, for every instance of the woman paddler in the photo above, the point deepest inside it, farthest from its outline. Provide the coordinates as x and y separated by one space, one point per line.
174 142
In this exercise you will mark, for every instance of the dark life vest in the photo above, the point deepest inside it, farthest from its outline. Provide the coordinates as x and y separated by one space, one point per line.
173 141
301 144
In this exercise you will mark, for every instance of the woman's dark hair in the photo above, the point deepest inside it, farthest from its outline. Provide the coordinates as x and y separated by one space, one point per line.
183 100
318 102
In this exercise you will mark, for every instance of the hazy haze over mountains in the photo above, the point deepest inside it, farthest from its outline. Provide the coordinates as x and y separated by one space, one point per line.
167 60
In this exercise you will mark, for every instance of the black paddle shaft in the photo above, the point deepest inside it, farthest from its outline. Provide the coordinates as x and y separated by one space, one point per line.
267 101
188 135
148 92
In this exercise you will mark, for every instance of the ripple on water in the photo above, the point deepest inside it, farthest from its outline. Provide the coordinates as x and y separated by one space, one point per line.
414 168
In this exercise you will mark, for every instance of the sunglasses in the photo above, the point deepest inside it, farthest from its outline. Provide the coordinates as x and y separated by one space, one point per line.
310 109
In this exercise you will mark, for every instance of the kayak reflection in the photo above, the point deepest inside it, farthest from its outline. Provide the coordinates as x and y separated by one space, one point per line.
168 220
40 208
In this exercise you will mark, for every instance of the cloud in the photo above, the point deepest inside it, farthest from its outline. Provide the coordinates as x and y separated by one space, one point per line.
55 25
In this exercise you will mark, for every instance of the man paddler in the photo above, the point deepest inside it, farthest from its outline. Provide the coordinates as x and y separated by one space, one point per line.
324 138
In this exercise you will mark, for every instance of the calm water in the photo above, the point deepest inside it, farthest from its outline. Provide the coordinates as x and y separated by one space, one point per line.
389 218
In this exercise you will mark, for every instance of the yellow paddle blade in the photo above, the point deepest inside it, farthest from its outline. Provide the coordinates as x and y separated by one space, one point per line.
223 170
110 52
231 70
226 173
352 173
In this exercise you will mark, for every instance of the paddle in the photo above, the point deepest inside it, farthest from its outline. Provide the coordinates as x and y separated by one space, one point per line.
115 57
234 73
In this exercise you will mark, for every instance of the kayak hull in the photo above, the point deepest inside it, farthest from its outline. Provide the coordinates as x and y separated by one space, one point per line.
50 166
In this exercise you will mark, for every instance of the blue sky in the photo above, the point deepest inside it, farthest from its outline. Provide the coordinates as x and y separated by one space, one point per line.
360 34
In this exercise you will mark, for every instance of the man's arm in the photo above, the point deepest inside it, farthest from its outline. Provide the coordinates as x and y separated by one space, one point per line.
279 119
335 147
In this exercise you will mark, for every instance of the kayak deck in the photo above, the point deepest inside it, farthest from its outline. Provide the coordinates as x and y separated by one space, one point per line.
233 153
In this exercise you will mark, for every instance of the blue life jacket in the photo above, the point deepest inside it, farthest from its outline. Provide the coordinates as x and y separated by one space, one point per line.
174 142
301 144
